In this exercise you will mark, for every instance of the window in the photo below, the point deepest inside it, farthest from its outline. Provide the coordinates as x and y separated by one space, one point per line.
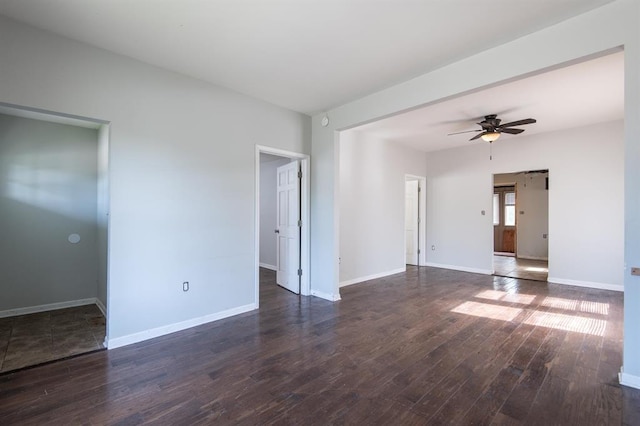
496 209
509 209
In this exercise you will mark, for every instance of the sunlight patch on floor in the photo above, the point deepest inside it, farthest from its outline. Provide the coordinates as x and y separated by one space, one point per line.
576 305
486 310
574 323
526 299
560 321
535 269
491 294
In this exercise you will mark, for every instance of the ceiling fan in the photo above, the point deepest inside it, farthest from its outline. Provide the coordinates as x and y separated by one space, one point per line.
491 128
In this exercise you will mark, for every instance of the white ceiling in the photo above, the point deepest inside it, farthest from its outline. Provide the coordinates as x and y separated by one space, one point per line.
305 55
577 95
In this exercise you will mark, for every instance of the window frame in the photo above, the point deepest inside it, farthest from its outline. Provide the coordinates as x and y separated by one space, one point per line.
510 205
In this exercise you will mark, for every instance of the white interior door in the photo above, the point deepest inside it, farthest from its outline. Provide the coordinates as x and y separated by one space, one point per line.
288 231
411 222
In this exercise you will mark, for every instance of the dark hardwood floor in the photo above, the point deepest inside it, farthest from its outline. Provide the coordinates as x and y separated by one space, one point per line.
429 346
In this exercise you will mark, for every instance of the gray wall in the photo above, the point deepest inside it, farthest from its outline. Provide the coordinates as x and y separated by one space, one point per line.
268 206
48 190
181 175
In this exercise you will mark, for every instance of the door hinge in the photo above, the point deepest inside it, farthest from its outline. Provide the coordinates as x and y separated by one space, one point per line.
299 224
418 251
419 189
299 174
299 272
419 220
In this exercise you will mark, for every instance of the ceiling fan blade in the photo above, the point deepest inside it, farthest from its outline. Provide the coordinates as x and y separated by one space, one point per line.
466 131
478 136
512 131
520 122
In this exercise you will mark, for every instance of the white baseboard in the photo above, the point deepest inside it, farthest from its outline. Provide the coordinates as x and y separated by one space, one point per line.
589 284
372 277
461 268
47 307
533 258
172 328
101 306
326 296
628 380
267 266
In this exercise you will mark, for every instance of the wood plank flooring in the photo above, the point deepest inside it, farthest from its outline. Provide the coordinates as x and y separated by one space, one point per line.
429 346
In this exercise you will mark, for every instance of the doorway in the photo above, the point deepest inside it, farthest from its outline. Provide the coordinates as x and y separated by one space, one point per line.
521 224
414 223
282 220
54 199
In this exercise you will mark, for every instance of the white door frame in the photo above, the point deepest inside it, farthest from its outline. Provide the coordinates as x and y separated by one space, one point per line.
103 141
305 286
514 183
422 229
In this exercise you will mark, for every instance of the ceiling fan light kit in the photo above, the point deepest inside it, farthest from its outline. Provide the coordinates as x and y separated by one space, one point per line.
491 129
490 136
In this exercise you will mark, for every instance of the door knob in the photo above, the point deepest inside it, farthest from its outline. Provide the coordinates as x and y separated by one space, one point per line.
277 231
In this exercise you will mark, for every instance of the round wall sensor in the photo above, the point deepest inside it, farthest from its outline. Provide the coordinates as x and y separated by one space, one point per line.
325 121
74 238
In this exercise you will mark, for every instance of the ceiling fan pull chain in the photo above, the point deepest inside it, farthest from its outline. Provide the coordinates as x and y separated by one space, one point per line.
490 151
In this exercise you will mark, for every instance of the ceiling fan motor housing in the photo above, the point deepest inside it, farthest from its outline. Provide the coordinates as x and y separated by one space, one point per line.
491 125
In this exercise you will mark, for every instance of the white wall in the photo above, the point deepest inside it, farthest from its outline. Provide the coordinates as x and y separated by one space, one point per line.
372 203
268 208
181 175
48 190
532 212
586 202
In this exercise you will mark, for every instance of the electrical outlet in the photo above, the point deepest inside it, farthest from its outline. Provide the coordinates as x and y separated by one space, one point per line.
185 286
635 271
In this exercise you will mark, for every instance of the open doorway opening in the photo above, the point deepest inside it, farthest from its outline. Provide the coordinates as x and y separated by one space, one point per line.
282 223
414 223
521 224
54 203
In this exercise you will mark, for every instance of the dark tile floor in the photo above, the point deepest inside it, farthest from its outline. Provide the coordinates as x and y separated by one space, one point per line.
32 339
513 267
